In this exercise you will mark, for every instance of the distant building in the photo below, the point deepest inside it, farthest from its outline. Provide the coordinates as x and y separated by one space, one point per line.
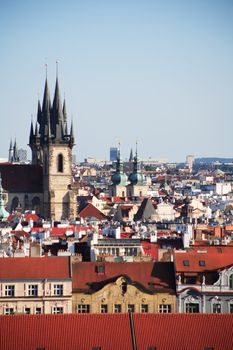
189 161
22 155
114 152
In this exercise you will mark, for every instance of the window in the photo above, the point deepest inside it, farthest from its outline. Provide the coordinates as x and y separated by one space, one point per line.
144 308
9 311
27 310
60 163
100 268
58 289
96 348
10 291
186 262
32 290
58 310
117 308
165 308
217 308
231 281
123 288
192 308
201 262
104 309
38 310
83 308
151 348
130 307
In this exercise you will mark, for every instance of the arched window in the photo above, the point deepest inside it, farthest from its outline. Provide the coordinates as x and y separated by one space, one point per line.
36 204
123 288
60 163
231 281
14 203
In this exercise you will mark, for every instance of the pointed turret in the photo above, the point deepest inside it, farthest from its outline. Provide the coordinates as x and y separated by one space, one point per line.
71 134
15 152
11 152
65 117
131 156
39 113
31 137
57 115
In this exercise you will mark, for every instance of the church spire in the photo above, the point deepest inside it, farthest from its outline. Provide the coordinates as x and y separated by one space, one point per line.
11 152
31 137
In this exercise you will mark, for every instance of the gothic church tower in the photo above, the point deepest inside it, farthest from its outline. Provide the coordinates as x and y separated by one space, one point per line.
51 146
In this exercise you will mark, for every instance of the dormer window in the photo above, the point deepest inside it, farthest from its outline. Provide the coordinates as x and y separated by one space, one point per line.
60 163
186 262
201 262
100 268
231 281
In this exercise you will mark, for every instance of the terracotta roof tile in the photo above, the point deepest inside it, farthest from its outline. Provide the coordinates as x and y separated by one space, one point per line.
212 261
33 268
152 276
112 331
91 211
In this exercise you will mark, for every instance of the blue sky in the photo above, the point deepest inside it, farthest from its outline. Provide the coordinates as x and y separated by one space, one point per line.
160 72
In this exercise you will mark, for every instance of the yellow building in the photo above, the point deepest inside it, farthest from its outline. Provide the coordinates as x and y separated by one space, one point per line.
109 287
35 285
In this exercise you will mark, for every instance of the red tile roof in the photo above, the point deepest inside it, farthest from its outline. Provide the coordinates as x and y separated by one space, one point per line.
112 331
212 261
34 268
65 332
91 211
150 249
184 331
151 276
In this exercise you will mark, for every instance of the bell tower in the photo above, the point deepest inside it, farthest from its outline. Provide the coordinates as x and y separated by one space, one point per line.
51 146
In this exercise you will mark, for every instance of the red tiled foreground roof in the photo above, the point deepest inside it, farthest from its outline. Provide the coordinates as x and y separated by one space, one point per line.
184 331
114 332
33 268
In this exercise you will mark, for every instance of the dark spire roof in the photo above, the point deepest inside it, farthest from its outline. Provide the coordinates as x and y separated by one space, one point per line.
145 211
31 137
46 106
52 120
39 112
131 155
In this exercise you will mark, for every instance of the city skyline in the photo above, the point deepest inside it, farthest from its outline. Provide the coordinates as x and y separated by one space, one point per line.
156 72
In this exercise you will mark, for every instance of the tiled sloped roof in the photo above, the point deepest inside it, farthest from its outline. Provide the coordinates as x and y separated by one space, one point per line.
30 216
212 261
150 249
151 276
65 332
33 268
112 331
22 177
91 211
184 331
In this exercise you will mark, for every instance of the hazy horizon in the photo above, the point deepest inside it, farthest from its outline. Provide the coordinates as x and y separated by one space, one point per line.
159 72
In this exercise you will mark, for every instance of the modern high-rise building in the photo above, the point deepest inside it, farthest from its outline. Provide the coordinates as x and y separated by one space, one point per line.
114 153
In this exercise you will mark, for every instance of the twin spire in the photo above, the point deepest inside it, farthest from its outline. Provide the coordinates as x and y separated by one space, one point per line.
51 124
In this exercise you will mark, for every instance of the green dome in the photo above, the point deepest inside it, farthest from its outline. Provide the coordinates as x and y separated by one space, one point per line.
136 179
119 179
